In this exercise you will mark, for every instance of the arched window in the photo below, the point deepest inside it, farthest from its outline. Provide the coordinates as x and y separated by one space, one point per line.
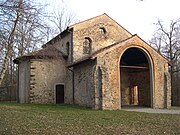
102 30
87 45
67 48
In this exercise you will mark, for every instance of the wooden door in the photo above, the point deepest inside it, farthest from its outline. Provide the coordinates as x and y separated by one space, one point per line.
59 94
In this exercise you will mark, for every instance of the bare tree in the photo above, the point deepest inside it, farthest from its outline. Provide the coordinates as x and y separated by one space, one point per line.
166 40
10 38
156 42
61 18
22 30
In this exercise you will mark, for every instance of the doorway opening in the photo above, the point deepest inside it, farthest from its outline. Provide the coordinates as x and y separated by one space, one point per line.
134 95
135 78
59 94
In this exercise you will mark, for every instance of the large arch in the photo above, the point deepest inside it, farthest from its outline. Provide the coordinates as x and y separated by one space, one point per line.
136 78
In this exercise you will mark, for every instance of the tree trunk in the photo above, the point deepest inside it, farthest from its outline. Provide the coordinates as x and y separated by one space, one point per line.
10 44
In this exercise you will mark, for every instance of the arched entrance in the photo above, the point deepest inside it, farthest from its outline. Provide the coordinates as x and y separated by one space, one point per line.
135 76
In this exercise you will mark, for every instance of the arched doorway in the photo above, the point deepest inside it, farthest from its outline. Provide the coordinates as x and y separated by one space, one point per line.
135 78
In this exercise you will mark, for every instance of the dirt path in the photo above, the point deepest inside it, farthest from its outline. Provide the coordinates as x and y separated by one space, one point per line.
150 110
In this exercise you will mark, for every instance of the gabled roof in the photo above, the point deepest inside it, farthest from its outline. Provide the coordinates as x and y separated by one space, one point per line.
47 52
58 37
104 14
70 29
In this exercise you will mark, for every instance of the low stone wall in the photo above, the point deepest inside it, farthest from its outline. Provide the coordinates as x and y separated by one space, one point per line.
8 93
176 96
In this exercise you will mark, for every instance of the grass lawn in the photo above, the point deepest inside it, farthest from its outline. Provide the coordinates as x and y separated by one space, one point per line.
73 120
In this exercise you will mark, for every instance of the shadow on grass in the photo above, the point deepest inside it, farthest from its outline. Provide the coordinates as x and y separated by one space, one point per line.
52 106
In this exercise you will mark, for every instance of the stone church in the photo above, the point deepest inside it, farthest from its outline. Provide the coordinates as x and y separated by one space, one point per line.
95 63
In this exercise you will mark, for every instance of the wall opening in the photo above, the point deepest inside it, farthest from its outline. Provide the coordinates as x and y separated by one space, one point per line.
134 95
102 30
135 78
59 94
67 48
87 45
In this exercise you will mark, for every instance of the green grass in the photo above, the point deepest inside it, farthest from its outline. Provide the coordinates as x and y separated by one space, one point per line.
74 120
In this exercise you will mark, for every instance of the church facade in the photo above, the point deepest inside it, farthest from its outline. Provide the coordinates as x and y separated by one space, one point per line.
95 63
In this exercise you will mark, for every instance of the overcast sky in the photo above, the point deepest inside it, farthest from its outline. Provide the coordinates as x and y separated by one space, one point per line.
136 16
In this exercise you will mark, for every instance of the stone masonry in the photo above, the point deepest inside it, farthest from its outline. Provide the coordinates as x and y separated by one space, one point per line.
43 78
85 59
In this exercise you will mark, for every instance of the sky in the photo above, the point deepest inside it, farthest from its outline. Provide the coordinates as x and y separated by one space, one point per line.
137 16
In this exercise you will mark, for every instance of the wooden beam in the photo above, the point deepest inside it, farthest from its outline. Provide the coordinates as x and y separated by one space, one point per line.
139 67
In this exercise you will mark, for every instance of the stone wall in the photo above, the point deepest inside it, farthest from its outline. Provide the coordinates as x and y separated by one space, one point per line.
96 82
176 90
65 45
142 80
24 81
176 96
84 84
45 74
62 44
93 30
8 93
69 86
109 61
125 87
98 97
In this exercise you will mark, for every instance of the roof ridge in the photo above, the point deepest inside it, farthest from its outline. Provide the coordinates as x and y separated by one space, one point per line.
87 19
119 24
99 16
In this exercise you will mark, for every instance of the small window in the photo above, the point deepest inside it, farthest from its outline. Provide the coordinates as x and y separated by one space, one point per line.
67 48
87 45
102 30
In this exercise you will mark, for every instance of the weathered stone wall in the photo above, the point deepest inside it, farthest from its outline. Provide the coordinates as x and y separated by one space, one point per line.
130 78
167 87
97 84
24 81
84 84
45 74
93 29
65 44
176 96
110 60
125 87
142 80
69 86
62 44
8 93
176 90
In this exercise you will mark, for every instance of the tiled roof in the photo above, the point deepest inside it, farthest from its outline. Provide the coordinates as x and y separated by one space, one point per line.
48 52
